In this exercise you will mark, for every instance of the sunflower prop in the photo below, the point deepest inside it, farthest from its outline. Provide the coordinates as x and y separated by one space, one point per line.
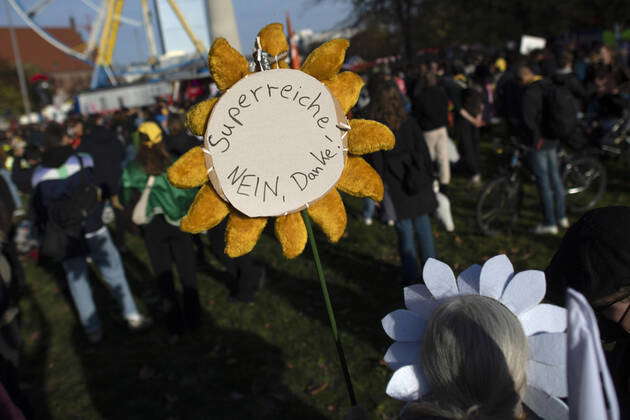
277 143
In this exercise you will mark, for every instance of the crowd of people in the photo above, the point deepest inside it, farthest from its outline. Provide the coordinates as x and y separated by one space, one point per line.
539 98
61 183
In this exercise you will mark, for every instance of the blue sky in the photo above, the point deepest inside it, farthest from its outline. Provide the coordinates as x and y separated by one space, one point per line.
251 15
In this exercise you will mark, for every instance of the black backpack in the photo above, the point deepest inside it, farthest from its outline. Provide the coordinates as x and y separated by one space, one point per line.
66 217
560 112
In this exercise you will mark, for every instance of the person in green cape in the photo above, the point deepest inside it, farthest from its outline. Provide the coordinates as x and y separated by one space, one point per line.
157 211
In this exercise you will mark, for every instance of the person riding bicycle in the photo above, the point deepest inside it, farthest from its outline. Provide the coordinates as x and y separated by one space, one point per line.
540 124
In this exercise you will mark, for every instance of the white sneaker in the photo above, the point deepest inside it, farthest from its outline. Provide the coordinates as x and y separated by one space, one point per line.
545 230
475 181
137 322
367 221
443 212
391 222
564 223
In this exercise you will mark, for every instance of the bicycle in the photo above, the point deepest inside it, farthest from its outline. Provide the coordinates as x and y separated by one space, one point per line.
500 200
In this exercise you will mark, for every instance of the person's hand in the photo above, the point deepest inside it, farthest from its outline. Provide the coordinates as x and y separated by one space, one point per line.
539 144
18 215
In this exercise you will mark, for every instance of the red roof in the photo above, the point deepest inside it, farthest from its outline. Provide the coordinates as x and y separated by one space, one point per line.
38 52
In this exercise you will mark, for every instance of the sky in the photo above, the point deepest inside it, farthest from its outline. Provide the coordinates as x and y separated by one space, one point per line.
251 15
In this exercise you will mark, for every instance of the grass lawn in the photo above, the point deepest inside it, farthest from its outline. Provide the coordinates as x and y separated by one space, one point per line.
273 359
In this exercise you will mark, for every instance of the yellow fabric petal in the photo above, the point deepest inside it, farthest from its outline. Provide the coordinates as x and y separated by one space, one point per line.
329 214
360 179
227 65
367 136
197 116
291 233
346 87
273 40
206 211
326 60
189 171
242 233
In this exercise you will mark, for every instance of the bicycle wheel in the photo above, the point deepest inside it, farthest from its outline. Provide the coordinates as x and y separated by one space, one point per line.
498 206
585 182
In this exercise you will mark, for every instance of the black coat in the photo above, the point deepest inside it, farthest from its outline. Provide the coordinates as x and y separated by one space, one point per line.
7 207
108 154
179 144
430 106
508 97
21 177
391 165
535 127
571 82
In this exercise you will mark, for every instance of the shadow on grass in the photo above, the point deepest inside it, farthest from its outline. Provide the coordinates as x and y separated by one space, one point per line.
141 282
215 373
35 362
37 359
361 288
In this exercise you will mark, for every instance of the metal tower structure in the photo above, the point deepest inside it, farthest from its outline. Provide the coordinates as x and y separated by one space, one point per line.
223 22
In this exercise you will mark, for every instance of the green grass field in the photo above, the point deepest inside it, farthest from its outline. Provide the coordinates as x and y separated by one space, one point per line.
274 359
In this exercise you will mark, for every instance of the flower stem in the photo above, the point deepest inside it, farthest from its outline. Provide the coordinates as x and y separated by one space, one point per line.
329 308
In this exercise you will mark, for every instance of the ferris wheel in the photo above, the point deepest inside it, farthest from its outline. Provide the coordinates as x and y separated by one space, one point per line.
32 12
105 17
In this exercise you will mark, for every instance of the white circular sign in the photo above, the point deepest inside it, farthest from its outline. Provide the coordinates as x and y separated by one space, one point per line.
275 142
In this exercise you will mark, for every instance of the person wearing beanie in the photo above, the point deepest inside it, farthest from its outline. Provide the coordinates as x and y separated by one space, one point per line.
594 259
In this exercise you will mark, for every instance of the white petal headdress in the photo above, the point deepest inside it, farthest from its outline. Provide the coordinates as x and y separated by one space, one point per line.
543 324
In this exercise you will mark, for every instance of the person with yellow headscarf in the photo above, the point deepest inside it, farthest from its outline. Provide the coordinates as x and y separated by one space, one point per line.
158 212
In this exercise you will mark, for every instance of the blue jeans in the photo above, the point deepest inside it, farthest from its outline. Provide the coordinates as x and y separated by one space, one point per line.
387 208
369 207
550 187
406 228
107 259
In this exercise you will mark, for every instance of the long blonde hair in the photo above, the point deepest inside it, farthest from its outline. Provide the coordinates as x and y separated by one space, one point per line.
474 357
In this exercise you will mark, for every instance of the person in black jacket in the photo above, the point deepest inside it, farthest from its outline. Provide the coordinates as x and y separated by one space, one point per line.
11 284
406 170
468 120
594 259
508 97
23 167
566 77
178 141
431 110
544 151
108 154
